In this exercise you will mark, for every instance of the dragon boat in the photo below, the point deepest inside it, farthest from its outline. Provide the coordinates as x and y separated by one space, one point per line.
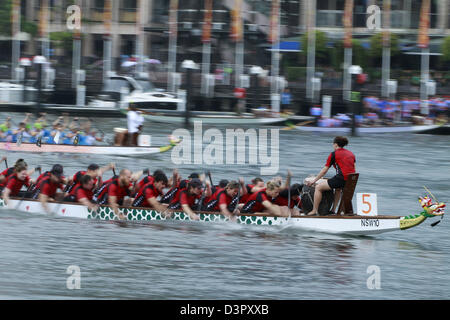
94 149
338 224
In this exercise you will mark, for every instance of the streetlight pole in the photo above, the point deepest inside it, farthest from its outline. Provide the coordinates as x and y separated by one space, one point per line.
189 66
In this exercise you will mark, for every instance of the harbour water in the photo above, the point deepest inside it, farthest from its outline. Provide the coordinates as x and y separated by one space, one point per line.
174 260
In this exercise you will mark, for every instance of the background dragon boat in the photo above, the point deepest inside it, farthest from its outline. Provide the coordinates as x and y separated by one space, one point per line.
69 148
340 224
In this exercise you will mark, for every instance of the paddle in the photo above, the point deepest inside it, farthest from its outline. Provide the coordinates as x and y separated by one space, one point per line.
288 178
210 179
6 163
57 135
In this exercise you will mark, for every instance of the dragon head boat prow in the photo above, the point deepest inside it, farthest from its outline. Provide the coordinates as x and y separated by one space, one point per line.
431 209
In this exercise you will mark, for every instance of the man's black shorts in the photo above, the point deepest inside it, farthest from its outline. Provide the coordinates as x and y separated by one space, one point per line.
337 182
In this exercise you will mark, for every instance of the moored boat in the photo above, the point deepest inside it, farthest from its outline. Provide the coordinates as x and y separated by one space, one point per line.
346 224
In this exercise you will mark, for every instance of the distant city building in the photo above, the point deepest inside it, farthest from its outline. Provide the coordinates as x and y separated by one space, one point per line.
256 14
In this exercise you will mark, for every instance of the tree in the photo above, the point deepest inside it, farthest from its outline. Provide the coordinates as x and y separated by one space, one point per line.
5 20
376 48
5 17
445 49
322 51
359 54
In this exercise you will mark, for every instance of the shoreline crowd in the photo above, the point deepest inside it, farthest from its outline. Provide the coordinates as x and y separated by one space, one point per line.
61 131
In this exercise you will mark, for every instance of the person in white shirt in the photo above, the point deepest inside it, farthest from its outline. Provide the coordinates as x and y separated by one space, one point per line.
135 122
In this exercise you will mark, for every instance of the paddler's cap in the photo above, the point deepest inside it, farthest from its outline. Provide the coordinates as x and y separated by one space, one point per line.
57 170
194 176
195 183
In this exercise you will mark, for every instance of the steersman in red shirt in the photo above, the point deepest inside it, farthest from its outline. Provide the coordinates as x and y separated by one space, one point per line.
16 181
343 161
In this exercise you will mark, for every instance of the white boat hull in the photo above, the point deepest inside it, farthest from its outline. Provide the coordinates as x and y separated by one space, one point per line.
352 225
59 148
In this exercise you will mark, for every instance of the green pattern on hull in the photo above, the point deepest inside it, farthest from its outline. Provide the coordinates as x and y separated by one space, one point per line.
106 213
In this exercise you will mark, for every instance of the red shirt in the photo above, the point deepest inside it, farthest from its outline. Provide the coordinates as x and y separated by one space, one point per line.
147 192
254 203
118 191
219 197
283 200
81 193
15 184
144 181
183 197
47 187
343 161
76 181
7 173
245 197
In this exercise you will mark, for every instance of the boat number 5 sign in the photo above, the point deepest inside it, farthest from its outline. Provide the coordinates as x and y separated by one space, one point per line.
366 204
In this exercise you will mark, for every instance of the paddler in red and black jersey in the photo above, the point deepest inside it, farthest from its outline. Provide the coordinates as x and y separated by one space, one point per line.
83 192
261 201
46 188
177 186
256 185
114 191
94 171
225 199
344 162
147 179
5 174
148 194
186 198
16 181
282 200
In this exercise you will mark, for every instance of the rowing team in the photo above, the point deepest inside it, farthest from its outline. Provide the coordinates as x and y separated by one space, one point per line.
142 189
61 132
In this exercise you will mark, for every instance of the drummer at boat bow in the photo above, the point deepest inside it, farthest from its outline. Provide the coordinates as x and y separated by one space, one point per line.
343 161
